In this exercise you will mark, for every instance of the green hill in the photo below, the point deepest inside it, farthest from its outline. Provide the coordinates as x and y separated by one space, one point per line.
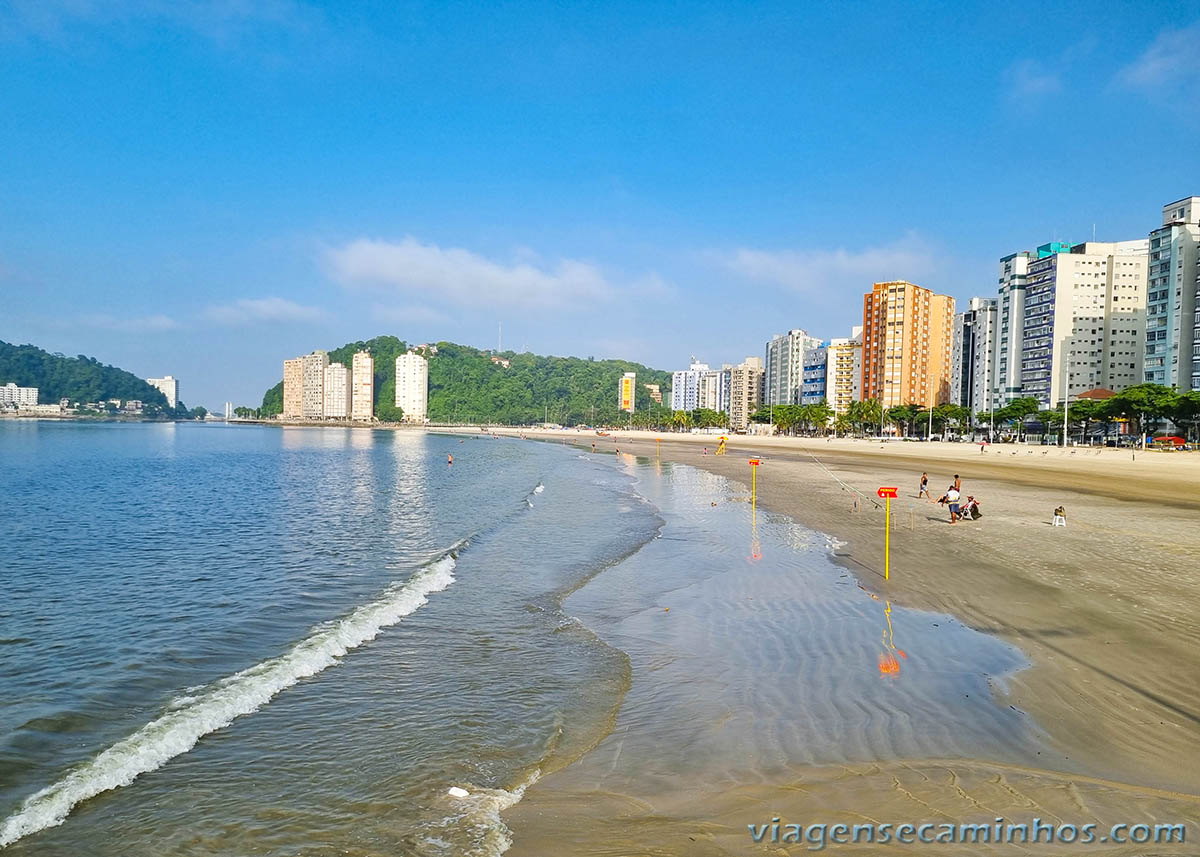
80 379
466 386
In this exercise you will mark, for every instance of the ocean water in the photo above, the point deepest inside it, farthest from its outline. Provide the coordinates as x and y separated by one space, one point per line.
248 640
219 639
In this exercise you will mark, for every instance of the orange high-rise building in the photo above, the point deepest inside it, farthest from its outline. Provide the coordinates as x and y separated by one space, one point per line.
907 337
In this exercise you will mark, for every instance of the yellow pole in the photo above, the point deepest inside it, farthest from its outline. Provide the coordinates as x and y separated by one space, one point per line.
753 487
887 539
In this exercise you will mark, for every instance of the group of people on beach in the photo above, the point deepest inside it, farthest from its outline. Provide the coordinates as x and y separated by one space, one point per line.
968 511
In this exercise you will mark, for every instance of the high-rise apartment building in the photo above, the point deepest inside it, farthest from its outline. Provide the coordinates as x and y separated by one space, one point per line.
713 390
362 371
813 380
843 371
907 335
745 392
1172 346
412 387
784 366
971 375
338 393
1010 318
293 388
685 386
168 386
1085 320
312 404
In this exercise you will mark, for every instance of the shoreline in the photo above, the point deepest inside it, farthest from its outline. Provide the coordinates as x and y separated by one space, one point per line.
1105 639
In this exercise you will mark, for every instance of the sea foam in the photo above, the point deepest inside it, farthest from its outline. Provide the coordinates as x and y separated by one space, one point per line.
218 705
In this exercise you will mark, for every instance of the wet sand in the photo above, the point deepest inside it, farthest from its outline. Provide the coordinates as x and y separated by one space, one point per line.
1104 610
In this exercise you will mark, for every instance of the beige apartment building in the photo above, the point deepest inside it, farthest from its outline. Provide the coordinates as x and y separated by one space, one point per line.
312 406
843 371
293 388
907 340
363 380
745 392
337 393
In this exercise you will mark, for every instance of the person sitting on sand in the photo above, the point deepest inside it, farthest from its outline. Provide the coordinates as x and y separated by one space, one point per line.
970 510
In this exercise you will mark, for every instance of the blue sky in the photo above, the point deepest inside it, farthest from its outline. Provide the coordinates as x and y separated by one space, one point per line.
206 188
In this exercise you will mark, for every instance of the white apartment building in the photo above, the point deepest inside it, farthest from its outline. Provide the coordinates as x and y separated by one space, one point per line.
337 392
713 392
293 388
362 405
168 386
1172 347
1085 320
843 371
685 386
412 387
745 392
971 375
784 366
312 404
21 398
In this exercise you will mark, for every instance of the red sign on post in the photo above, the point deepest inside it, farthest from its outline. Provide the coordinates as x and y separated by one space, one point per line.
754 462
887 492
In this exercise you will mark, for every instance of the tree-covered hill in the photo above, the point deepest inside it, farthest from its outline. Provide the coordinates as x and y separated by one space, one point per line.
80 379
465 385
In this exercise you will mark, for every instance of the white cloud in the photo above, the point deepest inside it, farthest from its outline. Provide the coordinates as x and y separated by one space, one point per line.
822 272
1173 57
139 324
1029 79
460 277
250 310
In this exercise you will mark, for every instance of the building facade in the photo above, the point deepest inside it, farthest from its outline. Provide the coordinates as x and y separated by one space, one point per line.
813 380
412 387
843 371
907 337
783 366
312 397
627 393
1085 320
1172 346
685 386
745 392
168 386
338 392
21 398
293 388
362 379
714 390
971 376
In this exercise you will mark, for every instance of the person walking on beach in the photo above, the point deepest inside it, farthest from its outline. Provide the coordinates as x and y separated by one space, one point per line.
957 484
924 489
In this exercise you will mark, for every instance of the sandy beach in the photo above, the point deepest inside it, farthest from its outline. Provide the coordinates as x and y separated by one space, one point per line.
1104 611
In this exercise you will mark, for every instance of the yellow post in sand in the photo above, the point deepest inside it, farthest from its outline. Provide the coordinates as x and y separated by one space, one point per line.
887 494
657 446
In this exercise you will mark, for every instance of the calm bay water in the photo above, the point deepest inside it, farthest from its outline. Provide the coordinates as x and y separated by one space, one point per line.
248 640
237 617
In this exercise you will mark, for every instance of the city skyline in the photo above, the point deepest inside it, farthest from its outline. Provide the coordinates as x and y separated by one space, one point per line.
151 223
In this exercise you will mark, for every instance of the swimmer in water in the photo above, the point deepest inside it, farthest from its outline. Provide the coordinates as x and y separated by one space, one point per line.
449 459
